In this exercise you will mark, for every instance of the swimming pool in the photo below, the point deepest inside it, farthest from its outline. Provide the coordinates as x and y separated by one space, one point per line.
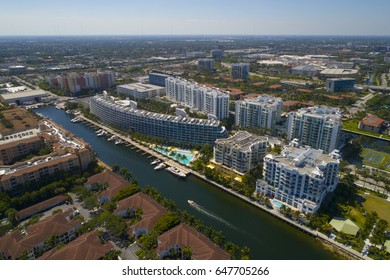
182 156
279 204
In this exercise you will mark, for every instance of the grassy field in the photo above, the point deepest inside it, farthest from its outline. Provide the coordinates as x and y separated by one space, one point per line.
376 159
353 126
379 205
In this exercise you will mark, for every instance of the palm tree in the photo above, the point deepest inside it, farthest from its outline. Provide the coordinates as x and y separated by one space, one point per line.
115 168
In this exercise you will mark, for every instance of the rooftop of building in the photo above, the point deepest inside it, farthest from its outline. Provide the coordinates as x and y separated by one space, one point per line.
338 71
322 111
24 94
186 236
151 210
21 120
114 181
243 140
86 247
372 120
42 206
179 119
264 100
15 243
140 87
304 159
341 79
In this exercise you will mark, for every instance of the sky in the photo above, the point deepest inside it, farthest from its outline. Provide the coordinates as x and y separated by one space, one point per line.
199 17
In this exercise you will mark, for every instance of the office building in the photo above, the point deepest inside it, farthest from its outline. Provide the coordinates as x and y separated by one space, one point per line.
216 54
240 71
300 177
260 112
241 152
318 127
175 129
157 77
140 91
337 85
199 98
205 64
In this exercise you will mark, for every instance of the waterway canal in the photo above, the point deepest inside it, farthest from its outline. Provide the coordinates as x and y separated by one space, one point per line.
266 236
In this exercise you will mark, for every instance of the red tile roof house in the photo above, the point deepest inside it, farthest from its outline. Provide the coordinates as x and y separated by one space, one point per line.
151 212
114 182
41 207
32 241
371 123
85 247
185 236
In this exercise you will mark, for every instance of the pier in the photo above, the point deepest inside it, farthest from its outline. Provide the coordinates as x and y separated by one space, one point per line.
141 148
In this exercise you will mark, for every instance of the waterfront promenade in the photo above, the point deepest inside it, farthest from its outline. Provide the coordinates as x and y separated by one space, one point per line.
350 252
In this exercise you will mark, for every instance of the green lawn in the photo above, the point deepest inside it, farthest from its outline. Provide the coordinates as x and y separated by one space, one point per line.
376 159
379 205
353 126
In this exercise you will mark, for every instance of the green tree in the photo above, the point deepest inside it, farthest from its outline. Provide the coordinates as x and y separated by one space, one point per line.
12 216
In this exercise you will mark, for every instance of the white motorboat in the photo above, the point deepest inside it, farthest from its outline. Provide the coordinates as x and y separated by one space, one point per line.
68 111
119 142
160 166
191 202
176 171
155 161
102 133
112 138
75 120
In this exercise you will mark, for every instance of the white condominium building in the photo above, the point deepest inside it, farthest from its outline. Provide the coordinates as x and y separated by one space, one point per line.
318 127
260 112
241 152
300 177
175 129
201 98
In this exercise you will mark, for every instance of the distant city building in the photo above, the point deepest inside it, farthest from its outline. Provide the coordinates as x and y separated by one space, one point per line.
340 64
241 152
308 70
300 177
24 97
140 91
205 64
387 58
337 85
339 73
318 127
17 69
158 78
260 112
240 71
371 123
76 82
216 54
200 98
175 129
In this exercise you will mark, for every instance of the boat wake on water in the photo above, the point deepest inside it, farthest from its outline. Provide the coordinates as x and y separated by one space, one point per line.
208 213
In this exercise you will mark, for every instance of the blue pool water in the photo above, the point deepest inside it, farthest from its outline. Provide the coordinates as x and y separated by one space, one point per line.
177 157
277 203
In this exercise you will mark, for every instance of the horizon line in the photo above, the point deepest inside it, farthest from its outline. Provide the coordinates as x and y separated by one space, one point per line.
196 35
